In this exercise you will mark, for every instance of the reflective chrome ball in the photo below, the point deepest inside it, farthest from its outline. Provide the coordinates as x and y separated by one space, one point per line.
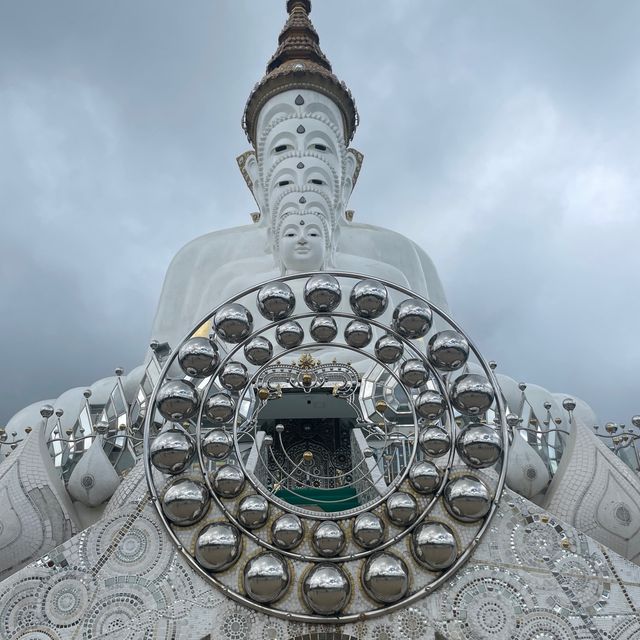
385 578
287 531
402 508
472 394
46 411
635 421
323 329
289 334
368 530
253 511
467 498
185 502
217 444
218 546
435 441
358 334
326 589
413 373
412 319
448 350
425 477
219 407
276 301
177 400
258 351
322 293
369 298
228 481
172 451
434 546
479 445
388 349
233 322
569 404
430 405
266 577
234 376
328 539
198 357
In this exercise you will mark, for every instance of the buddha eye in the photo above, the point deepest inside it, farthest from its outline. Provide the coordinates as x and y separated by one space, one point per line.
316 181
320 147
281 148
284 183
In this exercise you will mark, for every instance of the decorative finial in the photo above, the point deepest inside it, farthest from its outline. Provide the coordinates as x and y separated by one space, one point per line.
299 63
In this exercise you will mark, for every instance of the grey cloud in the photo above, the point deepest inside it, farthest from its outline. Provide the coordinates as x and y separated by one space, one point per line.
502 136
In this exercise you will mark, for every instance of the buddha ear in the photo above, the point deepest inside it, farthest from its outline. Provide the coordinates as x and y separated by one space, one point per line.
353 162
248 164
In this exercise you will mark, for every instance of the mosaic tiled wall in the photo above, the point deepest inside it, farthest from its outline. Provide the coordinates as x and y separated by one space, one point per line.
531 578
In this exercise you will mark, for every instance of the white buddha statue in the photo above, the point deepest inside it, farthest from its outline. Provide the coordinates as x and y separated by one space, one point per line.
300 119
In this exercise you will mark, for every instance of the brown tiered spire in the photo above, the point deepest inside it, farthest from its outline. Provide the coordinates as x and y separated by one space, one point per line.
298 40
299 63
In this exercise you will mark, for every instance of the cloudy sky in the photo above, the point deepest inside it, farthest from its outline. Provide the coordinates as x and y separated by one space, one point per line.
502 136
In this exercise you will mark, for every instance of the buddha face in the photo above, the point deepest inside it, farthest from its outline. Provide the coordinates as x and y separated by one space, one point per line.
302 242
301 162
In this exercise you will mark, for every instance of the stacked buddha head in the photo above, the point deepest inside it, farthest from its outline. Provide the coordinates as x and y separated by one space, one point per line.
299 119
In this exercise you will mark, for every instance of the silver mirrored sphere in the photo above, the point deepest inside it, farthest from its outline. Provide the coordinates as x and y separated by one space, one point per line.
266 577
177 400
198 357
448 350
253 511
276 301
369 298
234 376
217 444
430 405
434 441
412 318
413 373
326 589
635 421
287 531
185 502
258 351
402 508
46 411
425 477
472 394
323 329
219 407
479 445
467 498
358 334
368 530
328 539
218 546
569 404
172 451
385 578
388 349
233 322
228 481
289 334
322 293
434 546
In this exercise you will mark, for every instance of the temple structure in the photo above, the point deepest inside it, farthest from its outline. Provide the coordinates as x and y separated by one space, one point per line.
313 448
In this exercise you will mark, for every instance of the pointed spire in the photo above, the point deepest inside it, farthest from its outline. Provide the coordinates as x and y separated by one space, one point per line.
299 63
298 40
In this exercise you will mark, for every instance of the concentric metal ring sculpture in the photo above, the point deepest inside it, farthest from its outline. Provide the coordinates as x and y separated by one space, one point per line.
255 516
